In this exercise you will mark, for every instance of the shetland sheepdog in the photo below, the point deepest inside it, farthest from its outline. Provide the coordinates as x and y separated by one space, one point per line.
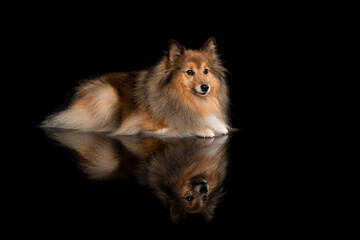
186 174
184 94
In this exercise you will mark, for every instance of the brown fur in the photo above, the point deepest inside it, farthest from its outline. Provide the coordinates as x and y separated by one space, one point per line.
160 101
168 167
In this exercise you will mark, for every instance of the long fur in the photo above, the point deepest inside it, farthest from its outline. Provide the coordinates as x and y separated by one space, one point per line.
166 166
158 101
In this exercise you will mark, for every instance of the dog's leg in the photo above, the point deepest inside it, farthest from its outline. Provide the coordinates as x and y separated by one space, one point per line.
221 130
218 126
205 133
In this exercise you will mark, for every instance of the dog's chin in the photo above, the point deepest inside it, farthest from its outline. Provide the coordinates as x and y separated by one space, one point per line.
201 93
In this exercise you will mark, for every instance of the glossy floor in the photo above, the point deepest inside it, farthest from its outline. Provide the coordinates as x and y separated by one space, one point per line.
96 181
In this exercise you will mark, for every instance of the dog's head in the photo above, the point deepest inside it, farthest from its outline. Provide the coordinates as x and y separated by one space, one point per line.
189 177
195 196
195 192
197 72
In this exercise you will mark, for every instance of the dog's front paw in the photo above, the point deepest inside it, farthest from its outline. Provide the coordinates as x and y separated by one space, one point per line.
205 133
222 130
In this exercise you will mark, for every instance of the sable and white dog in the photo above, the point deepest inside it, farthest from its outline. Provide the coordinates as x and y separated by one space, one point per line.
184 94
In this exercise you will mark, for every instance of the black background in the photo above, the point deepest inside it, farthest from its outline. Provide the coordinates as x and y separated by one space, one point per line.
264 50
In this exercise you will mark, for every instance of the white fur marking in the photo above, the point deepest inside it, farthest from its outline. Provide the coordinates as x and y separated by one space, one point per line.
216 125
102 162
93 116
130 126
161 131
200 92
205 133
215 147
72 118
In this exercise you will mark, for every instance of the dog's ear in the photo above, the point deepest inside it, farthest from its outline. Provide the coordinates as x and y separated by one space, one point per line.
208 211
210 205
209 48
175 214
176 50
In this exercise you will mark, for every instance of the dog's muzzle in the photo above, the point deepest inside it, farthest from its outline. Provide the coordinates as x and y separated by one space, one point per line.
203 90
201 186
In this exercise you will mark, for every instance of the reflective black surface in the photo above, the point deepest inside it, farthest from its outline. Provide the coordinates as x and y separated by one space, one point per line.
79 180
185 175
66 182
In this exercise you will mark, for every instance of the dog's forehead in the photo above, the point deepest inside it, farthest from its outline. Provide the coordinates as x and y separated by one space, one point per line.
196 59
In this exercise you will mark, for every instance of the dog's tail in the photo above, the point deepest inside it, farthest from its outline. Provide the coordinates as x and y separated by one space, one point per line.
93 109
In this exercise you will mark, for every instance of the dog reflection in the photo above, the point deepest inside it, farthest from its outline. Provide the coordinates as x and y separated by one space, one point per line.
187 175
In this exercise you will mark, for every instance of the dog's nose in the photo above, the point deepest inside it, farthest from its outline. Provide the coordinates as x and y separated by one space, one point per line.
203 190
204 87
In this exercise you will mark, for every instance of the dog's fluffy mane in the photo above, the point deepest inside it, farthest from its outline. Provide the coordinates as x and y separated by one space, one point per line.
159 98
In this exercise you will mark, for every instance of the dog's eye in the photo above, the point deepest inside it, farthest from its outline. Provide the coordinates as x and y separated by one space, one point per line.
204 198
189 198
190 72
206 71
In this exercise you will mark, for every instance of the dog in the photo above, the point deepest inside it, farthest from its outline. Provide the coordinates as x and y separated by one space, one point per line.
186 174
184 94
